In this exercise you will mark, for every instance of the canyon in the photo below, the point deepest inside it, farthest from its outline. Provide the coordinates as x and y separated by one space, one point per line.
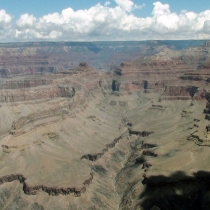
105 125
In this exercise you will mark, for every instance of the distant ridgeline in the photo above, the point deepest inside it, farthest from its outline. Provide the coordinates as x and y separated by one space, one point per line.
178 44
30 58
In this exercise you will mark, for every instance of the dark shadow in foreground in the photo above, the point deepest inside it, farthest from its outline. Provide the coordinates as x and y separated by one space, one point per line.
177 192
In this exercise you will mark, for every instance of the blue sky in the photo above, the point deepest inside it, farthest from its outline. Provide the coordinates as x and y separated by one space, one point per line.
94 20
43 7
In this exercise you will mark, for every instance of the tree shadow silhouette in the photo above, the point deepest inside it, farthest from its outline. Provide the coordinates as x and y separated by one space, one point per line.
177 192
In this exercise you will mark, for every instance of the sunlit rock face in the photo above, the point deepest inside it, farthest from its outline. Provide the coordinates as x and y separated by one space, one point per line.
134 135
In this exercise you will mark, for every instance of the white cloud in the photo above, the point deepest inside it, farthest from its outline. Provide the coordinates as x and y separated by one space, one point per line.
126 5
183 25
26 21
160 9
107 3
207 26
102 22
163 20
5 19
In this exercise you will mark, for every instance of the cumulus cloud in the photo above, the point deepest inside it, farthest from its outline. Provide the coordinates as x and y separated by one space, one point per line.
160 9
207 26
127 5
5 19
26 21
5 25
102 22
167 22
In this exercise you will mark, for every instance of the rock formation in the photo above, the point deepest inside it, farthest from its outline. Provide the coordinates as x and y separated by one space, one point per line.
115 139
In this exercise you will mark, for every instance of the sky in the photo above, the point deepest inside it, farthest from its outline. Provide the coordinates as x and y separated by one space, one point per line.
103 20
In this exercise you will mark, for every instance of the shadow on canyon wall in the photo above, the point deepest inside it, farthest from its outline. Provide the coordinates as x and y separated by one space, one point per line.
177 192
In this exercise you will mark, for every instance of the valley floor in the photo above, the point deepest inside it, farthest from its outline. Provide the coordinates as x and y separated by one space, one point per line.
103 153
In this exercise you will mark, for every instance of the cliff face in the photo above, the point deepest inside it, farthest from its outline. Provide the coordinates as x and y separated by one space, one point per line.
26 83
54 191
24 94
175 75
